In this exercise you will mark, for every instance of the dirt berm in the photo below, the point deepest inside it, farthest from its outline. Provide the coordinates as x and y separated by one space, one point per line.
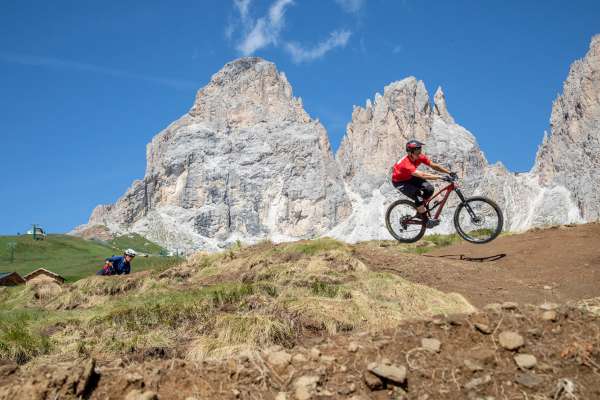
515 319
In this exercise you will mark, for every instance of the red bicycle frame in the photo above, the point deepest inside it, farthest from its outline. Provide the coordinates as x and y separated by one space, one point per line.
448 189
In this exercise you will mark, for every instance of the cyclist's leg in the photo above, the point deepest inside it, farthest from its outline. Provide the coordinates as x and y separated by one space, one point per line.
411 190
423 190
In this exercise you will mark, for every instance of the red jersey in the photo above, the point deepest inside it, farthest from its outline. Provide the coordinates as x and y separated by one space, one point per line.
404 168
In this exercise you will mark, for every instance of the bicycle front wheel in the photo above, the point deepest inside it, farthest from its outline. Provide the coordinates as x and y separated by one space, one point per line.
402 222
478 220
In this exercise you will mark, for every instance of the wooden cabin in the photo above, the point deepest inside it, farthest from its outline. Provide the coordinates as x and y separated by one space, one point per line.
11 279
43 274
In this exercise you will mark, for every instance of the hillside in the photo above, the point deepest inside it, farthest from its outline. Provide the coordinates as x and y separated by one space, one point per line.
73 257
317 319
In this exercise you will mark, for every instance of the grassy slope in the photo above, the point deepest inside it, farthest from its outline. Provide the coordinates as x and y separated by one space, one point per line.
69 256
216 305
136 242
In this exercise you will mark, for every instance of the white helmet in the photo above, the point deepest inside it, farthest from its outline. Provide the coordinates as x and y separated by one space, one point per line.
130 252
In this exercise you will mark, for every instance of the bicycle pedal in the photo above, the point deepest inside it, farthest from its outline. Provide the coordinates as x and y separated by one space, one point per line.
431 223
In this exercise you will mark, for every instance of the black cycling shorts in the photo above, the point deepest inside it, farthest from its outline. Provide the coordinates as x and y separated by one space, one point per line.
415 188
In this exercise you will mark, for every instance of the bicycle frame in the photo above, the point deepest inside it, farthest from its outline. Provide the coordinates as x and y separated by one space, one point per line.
446 193
447 190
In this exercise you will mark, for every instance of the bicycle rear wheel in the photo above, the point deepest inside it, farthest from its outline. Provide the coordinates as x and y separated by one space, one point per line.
402 222
478 220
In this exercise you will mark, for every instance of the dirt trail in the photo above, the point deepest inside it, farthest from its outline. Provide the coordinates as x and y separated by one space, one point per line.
556 265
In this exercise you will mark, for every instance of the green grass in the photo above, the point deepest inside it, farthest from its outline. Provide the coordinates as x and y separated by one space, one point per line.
312 247
21 338
138 243
71 257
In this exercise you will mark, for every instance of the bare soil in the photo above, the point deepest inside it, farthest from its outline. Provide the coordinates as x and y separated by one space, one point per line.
559 265
551 265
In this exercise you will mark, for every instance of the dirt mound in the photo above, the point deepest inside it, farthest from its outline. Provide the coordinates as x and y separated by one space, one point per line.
510 351
320 319
556 264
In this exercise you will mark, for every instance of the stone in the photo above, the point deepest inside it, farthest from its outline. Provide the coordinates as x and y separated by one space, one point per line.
475 382
525 361
496 307
8 369
305 386
483 328
372 381
392 373
133 377
510 340
87 377
528 379
299 359
509 305
549 315
473 366
548 306
431 345
281 396
353 347
315 353
328 359
138 394
279 359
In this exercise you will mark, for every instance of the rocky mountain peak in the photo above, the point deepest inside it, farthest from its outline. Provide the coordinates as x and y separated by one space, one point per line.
439 106
244 92
570 155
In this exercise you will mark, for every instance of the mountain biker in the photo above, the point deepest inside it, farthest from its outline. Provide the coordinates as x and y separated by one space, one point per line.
118 265
413 183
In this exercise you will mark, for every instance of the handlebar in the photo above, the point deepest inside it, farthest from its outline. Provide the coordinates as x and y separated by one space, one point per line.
452 177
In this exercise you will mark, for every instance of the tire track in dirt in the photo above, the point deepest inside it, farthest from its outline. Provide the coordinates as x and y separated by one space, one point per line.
556 264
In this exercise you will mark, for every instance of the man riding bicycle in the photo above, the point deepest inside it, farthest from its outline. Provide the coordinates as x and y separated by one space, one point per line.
413 183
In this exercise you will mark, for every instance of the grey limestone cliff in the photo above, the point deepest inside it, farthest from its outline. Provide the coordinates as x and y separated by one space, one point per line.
248 163
245 163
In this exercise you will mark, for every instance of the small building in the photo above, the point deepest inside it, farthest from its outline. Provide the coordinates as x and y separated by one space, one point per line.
43 274
37 232
11 279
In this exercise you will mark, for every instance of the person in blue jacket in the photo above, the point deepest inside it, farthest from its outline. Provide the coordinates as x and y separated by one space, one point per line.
118 265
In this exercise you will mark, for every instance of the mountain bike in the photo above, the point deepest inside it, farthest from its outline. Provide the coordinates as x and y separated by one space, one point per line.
476 219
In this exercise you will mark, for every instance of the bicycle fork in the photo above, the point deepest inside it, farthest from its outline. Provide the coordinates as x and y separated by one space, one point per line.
467 206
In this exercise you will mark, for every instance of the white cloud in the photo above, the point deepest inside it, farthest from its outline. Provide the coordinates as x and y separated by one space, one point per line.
243 7
351 6
57 63
300 54
266 30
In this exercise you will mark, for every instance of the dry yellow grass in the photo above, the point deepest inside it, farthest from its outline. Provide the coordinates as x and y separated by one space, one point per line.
242 300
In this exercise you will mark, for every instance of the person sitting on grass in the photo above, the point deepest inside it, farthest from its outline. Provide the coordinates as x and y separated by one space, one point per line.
118 265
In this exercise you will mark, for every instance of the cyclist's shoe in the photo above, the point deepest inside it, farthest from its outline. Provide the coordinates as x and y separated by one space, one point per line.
431 223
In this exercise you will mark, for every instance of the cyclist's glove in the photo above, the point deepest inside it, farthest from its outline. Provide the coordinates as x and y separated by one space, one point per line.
454 175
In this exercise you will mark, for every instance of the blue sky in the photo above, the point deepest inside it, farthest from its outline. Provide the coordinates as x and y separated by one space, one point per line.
85 85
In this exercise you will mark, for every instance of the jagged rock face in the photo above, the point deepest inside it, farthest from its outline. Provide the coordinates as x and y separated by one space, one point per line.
570 155
377 133
245 163
550 194
375 140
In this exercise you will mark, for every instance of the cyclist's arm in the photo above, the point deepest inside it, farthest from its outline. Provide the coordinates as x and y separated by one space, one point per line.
439 168
425 175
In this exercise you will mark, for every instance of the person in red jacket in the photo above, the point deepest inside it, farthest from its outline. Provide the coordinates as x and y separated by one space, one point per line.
413 183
